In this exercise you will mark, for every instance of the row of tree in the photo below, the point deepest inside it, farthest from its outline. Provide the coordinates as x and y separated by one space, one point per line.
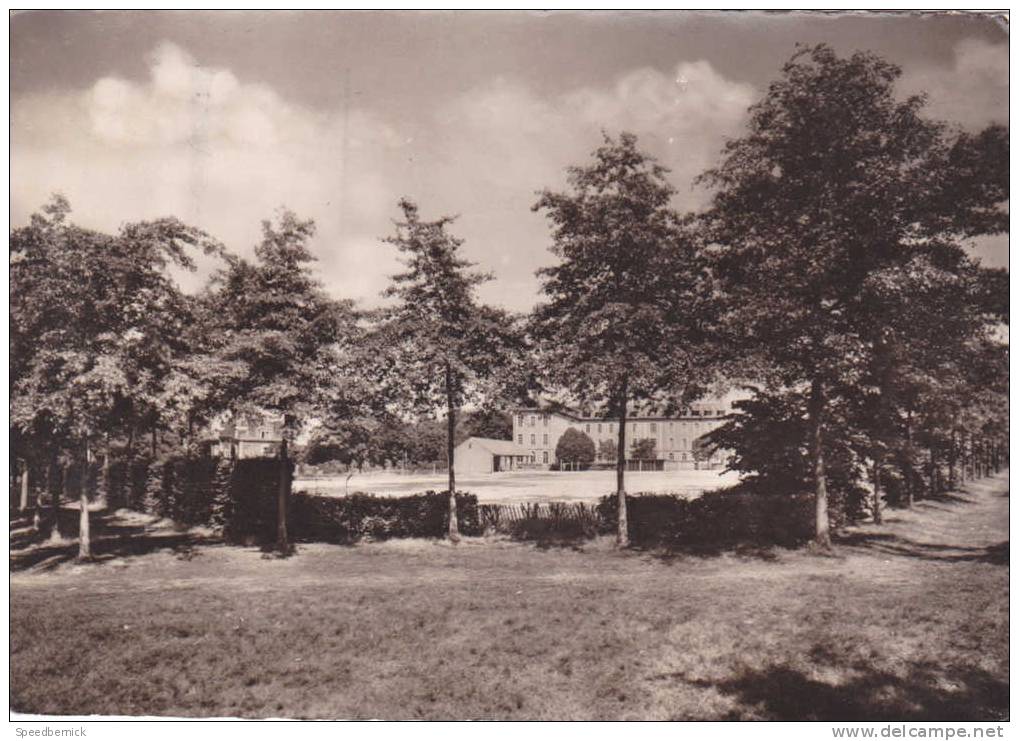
830 270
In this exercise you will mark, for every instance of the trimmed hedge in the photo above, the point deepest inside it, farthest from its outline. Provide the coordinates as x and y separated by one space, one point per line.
716 518
236 497
367 516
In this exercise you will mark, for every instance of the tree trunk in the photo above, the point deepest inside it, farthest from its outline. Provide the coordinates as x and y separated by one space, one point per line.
153 442
283 499
822 537
104 479
877 492
909 458
454 525
84 538
952 453
623 532
23 504
61 493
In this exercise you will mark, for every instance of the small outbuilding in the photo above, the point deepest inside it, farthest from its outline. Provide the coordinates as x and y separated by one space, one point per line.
485 455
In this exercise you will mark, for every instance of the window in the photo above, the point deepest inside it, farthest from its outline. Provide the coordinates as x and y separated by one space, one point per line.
672 442
672 456
533 457
262 433
683 445
611 425
599 429
532 420
587 428
684 457
654 427
544 457
520 420
532 438
520 439
544 419
544 440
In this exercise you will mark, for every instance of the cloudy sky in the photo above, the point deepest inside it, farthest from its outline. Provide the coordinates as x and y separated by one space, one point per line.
220 118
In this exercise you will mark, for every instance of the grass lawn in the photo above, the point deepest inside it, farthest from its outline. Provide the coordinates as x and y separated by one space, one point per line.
907 621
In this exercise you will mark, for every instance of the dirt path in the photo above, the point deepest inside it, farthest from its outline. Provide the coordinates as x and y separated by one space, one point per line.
967 525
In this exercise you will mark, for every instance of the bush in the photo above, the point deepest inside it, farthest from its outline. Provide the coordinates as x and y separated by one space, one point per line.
253 488
367 516
719 518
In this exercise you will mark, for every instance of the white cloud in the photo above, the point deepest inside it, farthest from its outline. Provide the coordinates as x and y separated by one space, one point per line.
224 153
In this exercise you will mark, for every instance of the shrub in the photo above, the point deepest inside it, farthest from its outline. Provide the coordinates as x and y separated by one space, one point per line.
575 447
360 516
252 495
718 518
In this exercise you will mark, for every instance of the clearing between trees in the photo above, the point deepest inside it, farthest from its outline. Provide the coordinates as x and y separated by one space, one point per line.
907 622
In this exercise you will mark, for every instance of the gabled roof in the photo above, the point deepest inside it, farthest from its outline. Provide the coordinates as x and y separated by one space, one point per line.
496 447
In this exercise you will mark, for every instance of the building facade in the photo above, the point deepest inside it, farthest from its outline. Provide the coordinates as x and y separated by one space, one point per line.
536 432
485 455
253 436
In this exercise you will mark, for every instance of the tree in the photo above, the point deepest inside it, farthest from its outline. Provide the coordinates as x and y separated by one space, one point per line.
443 345
491 423
701 450
273 319
575 447
621 318
95 317
835 182
643 449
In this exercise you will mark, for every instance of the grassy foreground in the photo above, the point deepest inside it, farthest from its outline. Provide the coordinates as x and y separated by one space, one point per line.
909 621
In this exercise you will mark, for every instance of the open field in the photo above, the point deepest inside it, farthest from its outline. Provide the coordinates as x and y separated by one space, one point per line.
510 487
909 621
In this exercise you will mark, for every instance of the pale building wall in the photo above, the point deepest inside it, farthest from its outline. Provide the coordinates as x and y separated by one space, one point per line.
536 433
469 457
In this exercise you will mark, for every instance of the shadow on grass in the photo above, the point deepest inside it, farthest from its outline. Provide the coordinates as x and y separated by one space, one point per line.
743 550
896 545
927 693
110 539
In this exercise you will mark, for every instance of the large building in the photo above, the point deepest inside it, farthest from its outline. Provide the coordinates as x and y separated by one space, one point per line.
536 431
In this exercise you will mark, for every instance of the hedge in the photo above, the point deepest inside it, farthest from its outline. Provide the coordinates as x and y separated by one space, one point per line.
367 516
716 518
236 497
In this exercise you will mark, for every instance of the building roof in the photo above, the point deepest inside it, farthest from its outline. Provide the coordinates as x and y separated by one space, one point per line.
496 447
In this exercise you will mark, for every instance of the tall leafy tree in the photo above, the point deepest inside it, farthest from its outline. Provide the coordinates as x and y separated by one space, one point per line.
94 317
444 347
274 320
837 180
622 317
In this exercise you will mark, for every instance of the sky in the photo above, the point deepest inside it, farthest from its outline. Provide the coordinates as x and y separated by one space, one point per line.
222 117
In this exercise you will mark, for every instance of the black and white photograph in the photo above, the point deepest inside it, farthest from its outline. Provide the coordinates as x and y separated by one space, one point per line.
519 365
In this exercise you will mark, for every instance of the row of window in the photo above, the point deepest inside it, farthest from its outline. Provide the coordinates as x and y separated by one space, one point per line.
544 441
545 459
533 420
